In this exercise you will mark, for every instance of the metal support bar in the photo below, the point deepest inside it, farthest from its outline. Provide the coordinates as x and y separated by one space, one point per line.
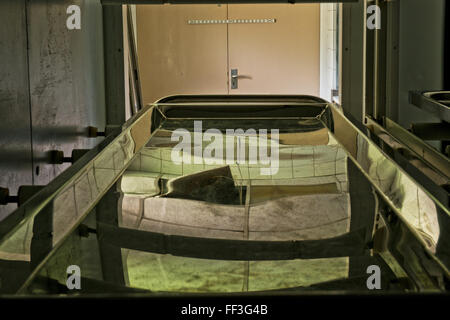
94 133
379 68
114 65
119 2
135 83
111 256
392 57
57 156
353 59
350 244
23 194
42 241
363 204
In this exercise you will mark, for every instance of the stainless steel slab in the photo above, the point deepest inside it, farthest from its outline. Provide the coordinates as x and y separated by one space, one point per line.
421 219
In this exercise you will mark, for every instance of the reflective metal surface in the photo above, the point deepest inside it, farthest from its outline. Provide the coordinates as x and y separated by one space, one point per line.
66 200
428 160
300 199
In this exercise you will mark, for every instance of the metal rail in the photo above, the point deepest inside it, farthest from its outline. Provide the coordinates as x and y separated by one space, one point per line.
118 2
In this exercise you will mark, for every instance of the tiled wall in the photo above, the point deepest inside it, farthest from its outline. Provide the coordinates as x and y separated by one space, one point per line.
328 49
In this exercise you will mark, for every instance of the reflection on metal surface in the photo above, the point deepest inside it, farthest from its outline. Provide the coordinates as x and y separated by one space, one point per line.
76 196
425 152
335 203
425 158
414 205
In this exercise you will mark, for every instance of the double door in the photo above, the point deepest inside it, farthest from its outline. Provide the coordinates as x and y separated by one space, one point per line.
228 49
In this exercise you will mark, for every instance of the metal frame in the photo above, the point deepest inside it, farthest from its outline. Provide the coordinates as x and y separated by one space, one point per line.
135 83
375 90
353 67
113 41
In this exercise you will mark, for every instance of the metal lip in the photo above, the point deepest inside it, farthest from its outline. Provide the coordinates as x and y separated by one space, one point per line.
119 2
431 93
425 101
242 98
240 106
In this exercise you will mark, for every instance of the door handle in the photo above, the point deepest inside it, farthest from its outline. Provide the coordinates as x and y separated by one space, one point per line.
235 76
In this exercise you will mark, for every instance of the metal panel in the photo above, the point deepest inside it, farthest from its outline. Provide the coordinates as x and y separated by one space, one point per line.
392 59
353 59
15 143
114 65
382 64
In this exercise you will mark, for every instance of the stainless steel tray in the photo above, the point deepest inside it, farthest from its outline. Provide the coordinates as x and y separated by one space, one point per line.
390 220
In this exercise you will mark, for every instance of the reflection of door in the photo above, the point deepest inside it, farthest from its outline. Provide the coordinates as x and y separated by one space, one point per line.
273 58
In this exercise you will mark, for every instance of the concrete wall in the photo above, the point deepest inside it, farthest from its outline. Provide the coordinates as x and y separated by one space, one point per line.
65 92
15 131
66 80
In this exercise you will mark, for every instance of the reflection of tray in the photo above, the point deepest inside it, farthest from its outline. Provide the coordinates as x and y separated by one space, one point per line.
434 102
